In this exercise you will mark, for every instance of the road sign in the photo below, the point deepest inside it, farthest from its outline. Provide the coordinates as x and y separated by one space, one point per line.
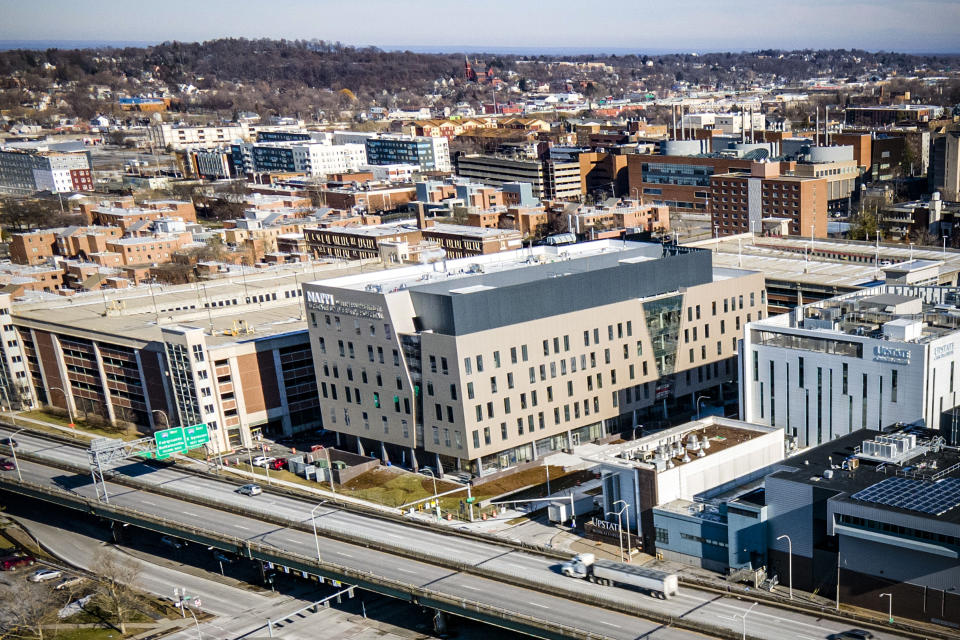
169 441
196 436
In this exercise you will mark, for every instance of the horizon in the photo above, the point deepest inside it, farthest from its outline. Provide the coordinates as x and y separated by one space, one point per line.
904 26
519 50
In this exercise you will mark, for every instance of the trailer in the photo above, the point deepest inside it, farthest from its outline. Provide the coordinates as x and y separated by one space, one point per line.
586 567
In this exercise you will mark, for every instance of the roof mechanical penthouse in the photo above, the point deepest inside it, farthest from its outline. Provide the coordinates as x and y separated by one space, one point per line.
489 361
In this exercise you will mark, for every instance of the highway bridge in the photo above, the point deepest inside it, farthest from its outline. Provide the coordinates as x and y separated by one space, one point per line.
479 578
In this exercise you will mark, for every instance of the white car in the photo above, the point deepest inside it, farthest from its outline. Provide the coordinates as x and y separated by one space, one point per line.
262 461
250 490
42 575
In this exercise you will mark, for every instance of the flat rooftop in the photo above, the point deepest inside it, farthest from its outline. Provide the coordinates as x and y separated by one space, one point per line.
502 269
937 469
135 315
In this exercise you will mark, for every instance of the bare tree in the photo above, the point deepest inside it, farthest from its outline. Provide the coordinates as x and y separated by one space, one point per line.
34 607
117 579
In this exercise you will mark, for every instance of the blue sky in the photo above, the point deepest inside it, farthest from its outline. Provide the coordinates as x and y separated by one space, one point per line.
691 25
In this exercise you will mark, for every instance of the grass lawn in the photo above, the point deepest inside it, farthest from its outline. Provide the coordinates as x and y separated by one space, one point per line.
393 488
39 414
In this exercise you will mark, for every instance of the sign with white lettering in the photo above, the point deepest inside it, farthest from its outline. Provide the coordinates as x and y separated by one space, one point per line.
943 351
888 354
325 302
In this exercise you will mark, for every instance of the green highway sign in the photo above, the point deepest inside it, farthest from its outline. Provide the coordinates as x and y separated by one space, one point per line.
196 436
169 441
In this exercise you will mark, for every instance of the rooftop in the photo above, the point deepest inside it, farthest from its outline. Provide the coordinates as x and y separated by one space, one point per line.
908 470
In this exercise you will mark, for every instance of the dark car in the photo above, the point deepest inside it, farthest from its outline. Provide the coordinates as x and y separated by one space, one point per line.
852 634
10 442
6 465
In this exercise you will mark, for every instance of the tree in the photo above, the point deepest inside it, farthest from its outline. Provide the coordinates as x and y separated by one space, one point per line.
116 586
26 213
36 605
863 225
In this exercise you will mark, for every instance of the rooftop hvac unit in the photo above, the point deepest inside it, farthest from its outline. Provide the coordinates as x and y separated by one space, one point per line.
705 443
693 444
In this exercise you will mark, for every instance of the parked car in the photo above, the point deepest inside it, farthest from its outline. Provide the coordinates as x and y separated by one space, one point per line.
11 563
171 542
278 464
250 490
9 441
68 582
222 557
262 461
44 575
6 464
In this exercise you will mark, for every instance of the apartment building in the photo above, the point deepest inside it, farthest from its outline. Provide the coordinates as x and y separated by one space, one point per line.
37 247
492 360
429 153
741 201
29 170
868 359
309 158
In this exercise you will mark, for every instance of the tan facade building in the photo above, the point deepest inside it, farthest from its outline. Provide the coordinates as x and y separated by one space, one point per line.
490 361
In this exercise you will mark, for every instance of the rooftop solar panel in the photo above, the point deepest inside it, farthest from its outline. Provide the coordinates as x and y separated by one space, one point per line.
935 498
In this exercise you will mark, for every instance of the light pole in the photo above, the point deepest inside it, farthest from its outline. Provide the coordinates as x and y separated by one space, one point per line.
436 501
66 401
944 244
619 528
313 519
789 560
890 614
547 469
13 450
626 506
744 618
699 400
196 622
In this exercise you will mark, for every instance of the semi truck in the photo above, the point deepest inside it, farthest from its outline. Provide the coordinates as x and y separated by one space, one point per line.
585 566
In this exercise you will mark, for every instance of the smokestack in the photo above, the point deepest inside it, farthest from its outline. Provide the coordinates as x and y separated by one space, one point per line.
421 217
816 131
826 126
673 111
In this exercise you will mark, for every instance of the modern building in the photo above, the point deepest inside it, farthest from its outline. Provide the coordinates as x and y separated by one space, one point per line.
231 352
681 182
873 515
549 179
429 153
27 171
309 158
679 481
864 360
944 171
741 201
493 360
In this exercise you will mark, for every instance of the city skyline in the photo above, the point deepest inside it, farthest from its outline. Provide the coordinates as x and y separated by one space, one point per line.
927 26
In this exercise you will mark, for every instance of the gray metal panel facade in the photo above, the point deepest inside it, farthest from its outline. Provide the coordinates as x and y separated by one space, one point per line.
790 511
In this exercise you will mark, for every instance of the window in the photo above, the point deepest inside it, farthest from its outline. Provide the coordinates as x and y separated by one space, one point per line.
510 381
486 435
453 392
496 359
506 405
513 355
546 347
433 364
476 438
503 430
893 385
662 535
466 366
523 352
479 364
493 384
470 391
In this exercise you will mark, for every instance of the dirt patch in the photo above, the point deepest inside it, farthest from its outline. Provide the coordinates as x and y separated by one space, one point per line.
392 487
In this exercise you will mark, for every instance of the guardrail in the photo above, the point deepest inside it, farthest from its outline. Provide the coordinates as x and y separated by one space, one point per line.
475 609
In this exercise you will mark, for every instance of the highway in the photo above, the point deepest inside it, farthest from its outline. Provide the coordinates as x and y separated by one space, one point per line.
762 622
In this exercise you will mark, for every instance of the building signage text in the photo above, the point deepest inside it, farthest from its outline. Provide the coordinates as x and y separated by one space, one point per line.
888 354
943 351
326 302
600 523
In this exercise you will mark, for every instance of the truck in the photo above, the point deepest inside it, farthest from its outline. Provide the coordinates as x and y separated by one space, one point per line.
585 566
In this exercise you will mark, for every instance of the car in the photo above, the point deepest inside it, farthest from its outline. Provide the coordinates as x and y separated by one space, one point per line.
852 634
10 442
250 490
278 464
11 563
171 542
68 582
222 557
44 575
6 465
262 461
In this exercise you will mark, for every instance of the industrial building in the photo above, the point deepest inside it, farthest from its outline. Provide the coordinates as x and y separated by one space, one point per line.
864 360
692 489
867 514
488 361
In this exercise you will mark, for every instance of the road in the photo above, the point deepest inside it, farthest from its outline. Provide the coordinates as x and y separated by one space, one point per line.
763 621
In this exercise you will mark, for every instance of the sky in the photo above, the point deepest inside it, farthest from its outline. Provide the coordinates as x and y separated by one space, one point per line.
929 26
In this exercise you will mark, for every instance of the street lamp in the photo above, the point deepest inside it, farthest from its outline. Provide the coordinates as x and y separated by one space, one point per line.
639 426
699 400
619 528
13 450
196 622
626 506
789 560
744 618
66 401
436 501
889 595
313 519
